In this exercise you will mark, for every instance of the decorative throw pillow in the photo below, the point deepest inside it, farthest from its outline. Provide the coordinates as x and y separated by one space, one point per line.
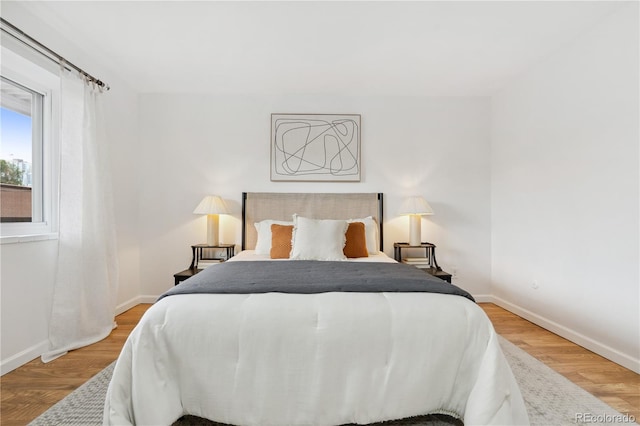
281 241
318 239
371 233
356 245
263 244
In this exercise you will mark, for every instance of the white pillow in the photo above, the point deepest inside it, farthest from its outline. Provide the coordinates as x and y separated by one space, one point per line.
318 239
371 233
263 244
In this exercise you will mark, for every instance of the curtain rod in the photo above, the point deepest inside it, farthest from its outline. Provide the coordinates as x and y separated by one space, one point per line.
26 39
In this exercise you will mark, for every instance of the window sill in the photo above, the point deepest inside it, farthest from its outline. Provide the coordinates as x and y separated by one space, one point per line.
13 239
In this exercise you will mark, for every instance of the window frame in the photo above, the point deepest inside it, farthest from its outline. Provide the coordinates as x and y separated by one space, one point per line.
35 77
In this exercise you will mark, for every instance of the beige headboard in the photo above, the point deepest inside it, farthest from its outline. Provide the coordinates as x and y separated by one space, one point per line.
257 206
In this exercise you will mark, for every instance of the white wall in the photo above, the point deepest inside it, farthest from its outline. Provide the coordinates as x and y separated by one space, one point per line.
194 145
121 118
565 191
28 269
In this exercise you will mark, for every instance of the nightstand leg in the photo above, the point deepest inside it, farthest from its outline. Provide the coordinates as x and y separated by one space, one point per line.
193 259
435 262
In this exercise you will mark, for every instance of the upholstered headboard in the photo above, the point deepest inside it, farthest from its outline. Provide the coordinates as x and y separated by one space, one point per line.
257 206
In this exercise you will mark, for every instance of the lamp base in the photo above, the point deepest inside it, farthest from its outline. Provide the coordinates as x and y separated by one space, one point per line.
415 231
212 229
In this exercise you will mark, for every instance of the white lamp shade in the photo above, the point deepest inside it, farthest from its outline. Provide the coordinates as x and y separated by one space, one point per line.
415 205
211 204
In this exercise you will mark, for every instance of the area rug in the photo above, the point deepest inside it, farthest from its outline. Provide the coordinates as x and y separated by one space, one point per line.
550 398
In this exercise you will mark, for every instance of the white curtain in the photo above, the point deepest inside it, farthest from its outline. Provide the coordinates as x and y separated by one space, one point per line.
85 289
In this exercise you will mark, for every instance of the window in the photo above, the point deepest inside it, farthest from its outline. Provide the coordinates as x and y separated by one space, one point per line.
28 172
20 153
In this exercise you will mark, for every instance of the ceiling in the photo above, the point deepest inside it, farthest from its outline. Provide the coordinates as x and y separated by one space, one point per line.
445 48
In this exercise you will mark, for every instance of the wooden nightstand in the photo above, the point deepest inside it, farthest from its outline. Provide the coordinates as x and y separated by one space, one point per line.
428 264
198 252
183 275
198 256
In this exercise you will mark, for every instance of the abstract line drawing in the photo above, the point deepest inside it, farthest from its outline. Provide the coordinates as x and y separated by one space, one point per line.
315 147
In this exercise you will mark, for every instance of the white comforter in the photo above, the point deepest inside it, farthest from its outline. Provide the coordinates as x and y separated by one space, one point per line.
315 359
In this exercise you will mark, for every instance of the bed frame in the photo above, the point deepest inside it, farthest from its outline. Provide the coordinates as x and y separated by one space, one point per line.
257 206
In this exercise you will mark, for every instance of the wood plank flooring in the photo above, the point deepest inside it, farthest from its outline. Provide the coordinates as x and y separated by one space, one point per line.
617 386
31 389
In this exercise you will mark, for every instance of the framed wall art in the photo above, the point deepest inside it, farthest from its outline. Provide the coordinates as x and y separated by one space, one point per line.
315 147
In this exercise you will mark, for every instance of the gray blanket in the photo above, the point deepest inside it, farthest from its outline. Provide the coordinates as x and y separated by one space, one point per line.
308 276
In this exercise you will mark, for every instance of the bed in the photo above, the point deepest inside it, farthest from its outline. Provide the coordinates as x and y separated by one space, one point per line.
309 341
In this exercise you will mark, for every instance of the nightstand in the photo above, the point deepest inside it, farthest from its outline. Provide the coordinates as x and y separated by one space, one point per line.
199 256
428 264
183 275
198 253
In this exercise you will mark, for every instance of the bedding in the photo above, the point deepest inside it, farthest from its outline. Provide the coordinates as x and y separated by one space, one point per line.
326 358
281 241
263 228
318 239
308 277
356 242
255 256
371 233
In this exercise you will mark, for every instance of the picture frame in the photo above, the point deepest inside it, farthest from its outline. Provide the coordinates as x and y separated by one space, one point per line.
315 147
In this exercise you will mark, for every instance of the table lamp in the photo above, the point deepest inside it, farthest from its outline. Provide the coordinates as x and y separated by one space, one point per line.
415 207
212 206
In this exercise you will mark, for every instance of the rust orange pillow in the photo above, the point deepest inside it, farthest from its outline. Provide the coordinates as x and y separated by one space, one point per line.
281 241
356 245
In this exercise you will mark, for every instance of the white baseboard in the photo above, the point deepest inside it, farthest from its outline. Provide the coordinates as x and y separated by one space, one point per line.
483 298
33 352
608 352
148 299
21 358
124 307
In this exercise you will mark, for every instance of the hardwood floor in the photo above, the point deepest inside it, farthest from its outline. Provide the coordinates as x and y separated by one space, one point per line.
31 389
617 386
